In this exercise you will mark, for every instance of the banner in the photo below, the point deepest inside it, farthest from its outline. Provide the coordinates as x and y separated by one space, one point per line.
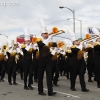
90 30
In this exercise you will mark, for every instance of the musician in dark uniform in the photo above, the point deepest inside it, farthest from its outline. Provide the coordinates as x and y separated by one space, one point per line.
3 59
61 62
77 65
11 64
67 60
20 61
55 68
97 61
90 60
35 61
27 61
45 62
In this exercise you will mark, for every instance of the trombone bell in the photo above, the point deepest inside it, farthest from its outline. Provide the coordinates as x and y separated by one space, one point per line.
35 39
55 30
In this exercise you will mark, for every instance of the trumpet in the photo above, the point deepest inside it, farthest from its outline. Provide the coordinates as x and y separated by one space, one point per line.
5 48
23 46
60 44
35 39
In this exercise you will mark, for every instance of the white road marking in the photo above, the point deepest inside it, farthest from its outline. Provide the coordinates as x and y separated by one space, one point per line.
70 95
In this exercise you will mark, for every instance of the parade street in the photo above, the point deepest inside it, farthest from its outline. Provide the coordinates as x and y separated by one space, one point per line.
16 92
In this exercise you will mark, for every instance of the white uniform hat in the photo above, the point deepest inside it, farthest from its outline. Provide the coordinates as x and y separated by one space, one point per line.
72 34
27 34
95 31
9 43
43 26
68 43
73 38
27 38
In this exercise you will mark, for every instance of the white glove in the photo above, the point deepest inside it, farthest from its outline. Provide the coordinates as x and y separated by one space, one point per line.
18 50
80 47
32 56
21 53
35 46
56 49
63 53
53 52
4 53
27 48
6 57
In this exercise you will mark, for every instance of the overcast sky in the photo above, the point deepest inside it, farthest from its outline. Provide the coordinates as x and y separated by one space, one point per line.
28 13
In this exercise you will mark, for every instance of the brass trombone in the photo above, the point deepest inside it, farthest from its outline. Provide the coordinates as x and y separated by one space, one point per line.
55 31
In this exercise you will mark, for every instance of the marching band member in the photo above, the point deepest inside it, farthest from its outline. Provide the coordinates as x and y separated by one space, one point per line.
27 61
90 59
61 58
45 61
35 58
4 64
11 64
68 57
96 61
97 57
55 68
67 60
77 64
20 60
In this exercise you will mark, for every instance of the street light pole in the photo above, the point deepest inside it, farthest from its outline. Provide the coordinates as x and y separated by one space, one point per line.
73 11
74 20
80 25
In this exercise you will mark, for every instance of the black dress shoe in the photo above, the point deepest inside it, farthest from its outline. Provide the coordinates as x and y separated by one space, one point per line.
26 88
42 93
30 87
2 80
98 86
90 81
73 89
95 79
21 78
68 78
15 83
52 93
64 75
55 84
85 90
10 83
35 80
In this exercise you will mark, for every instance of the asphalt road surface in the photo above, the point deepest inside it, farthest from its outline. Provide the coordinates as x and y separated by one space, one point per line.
17 92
